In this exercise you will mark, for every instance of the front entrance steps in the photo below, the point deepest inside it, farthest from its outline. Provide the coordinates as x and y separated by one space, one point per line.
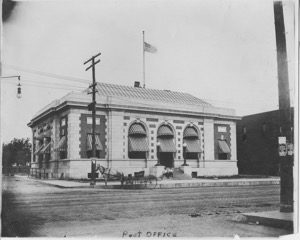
178 174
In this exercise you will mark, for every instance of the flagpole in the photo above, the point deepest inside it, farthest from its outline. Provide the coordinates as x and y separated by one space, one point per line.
144 83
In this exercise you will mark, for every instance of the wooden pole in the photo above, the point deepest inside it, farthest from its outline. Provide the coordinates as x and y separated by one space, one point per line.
286 162
1 32
144 76
93 105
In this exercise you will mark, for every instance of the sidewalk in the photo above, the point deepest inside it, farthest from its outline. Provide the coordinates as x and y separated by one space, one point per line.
166 183
271 218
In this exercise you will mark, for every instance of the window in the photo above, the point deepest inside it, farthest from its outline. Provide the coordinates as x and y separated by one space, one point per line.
63 126
137 142
223 156
222 129
191 155
137 155
191 143
46 150
264 129
89 146
89 120
40 160
244 137
89 153
62 154
47 157
63 122
223 150
61 147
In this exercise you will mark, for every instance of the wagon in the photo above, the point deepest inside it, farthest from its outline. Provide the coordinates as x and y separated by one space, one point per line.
139 180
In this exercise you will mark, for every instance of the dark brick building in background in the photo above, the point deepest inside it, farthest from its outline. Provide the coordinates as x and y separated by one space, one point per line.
257 143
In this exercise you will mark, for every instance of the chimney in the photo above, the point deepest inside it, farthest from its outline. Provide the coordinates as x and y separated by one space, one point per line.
137 84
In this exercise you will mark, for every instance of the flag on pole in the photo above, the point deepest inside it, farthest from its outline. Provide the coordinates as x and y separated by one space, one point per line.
149 48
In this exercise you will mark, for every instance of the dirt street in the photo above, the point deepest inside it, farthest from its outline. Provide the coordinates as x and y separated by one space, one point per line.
34 209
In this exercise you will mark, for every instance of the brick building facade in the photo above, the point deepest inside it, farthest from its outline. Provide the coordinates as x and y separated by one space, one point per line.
136 129
257 143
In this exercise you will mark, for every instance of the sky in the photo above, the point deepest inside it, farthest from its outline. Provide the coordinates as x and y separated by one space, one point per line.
222 51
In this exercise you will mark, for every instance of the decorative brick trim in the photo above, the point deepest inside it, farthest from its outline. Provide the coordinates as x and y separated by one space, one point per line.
85 128
151 119
202 156
178 121
106 137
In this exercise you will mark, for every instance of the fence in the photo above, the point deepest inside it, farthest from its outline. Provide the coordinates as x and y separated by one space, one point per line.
39 173
24 170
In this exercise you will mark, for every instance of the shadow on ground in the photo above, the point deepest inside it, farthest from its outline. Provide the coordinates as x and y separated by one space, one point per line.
14 222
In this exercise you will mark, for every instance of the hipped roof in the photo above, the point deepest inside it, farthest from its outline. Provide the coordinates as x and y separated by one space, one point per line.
136 97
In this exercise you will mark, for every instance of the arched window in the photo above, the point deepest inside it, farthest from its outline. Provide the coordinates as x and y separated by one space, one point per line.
137 141
191 143
166 148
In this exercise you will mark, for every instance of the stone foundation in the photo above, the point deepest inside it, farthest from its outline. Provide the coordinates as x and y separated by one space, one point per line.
79 168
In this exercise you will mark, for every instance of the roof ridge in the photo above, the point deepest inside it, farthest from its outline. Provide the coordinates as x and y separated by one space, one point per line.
140 88
110 89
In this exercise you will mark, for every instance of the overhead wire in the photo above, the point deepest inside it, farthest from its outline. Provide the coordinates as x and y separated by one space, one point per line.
49 86
81 80
47 74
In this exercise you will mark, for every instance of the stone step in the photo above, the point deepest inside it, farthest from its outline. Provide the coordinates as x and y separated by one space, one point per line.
178 174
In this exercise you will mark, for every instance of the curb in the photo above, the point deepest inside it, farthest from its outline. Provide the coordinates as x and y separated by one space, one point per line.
269 221
195 184
188 185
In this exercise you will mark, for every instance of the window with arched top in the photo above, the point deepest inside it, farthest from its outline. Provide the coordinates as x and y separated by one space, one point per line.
191 143
137 141
165 138
166 148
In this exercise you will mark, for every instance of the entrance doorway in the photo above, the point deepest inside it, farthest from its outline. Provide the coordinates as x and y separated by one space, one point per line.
167 159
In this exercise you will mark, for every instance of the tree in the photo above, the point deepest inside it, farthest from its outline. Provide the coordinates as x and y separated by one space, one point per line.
18 152
7 8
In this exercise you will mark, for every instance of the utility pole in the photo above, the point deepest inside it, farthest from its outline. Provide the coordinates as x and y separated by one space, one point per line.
144 77
286 134
92 107
1 36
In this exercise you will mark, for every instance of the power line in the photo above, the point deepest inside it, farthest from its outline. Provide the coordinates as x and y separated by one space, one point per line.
81 80
36 83
47 74
49 86
55 84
